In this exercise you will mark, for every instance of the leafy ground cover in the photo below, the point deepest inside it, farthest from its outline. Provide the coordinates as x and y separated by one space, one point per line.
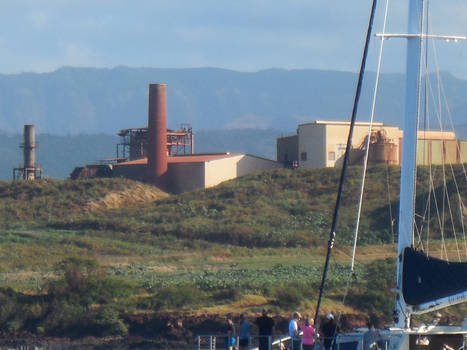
76 254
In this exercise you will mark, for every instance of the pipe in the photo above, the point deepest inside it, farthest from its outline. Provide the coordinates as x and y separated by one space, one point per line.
29 146
157 134
29 152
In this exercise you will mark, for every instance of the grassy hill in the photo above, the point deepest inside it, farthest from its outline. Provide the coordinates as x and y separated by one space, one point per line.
84 257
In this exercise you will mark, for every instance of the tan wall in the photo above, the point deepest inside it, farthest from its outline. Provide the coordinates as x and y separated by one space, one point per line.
336 139
251 164
463 151
185 177
219 170
450 152
424 148
325 143
311 141
287 149
433 150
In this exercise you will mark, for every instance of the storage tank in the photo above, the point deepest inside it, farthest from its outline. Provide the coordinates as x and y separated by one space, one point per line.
383 152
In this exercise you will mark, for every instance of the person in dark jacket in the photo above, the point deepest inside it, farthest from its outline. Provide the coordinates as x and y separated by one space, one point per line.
329 331
230 340
265 326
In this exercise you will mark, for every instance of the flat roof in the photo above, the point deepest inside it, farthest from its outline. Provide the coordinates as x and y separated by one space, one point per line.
332 122
190 158
436 135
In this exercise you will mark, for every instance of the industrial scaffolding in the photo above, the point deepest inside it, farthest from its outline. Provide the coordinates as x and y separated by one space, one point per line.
134 142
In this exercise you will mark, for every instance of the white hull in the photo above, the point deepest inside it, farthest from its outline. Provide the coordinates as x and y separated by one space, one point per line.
422 338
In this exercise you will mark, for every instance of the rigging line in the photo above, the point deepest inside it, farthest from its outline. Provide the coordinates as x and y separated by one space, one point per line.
388 190
419 84
443 160
425 120
426 216
370 129
444 98
332 234
428 219
438 114
420 241
445 190
365 166
452 224
435 200
425 92
461 205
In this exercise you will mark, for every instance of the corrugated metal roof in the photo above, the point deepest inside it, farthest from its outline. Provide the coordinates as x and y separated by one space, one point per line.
195 158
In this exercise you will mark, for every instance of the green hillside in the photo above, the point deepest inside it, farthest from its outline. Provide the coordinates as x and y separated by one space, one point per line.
85 257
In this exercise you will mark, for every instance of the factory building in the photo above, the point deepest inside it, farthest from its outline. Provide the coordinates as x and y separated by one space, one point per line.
159 156
322 144
189 172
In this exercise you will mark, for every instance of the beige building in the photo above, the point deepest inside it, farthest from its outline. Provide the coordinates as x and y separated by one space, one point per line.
190 172
323 143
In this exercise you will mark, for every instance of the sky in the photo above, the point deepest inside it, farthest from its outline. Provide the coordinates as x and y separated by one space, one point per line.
244 35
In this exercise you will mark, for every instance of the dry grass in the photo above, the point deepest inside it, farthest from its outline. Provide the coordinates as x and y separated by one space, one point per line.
135 195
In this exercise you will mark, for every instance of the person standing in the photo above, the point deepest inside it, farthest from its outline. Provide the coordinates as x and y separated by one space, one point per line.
329 330
230 339
265 325
308 334
372 336
294 331
244 336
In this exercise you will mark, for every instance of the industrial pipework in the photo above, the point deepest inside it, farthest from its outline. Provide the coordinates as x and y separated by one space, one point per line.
157 135
29 171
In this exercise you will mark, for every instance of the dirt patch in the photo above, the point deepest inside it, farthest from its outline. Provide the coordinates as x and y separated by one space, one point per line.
137 194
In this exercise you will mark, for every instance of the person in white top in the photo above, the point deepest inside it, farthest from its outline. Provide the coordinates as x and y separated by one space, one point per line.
294 331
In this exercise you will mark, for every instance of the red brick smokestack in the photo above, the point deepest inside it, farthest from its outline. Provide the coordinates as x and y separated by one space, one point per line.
157 132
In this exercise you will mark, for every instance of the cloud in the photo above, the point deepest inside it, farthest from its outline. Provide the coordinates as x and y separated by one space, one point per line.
241 34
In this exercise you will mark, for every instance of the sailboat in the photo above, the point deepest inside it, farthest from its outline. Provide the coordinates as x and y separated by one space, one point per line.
423 283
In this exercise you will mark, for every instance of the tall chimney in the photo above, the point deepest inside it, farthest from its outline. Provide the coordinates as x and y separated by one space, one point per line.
157 133
29 151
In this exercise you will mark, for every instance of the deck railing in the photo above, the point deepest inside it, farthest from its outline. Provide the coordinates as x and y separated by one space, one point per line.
218 341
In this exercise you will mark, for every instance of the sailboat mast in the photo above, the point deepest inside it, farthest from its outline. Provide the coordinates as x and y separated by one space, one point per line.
409 149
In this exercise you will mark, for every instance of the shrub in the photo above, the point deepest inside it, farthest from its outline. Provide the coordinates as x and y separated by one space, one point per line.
177 296
230 294
14 326
63 317
106 322
8 305
375 295
288 296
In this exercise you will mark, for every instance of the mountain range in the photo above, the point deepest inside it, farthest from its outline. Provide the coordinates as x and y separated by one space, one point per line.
78 111
92 101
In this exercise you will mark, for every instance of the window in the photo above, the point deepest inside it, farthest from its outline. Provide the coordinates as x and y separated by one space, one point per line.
303 156
332 155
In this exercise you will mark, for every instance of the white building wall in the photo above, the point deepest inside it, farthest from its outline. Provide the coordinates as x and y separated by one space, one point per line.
185 177
324 143
190 176
312 145
219 170
250 164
